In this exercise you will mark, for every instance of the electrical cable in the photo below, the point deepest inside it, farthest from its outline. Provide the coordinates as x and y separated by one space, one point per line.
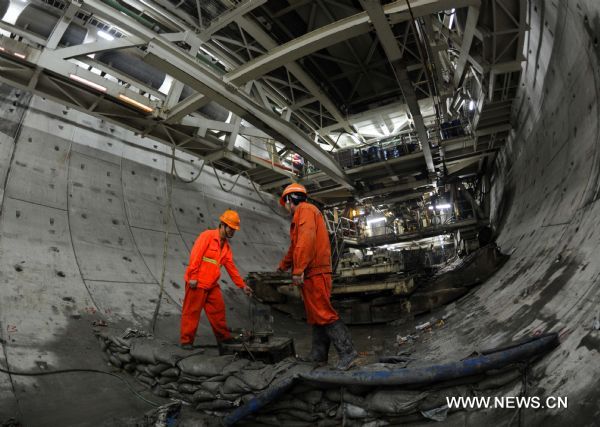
190 180
335 144
166 243
221 184
261 197
65 371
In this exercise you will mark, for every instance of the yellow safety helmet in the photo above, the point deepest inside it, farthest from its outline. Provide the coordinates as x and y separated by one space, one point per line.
292 188
231 218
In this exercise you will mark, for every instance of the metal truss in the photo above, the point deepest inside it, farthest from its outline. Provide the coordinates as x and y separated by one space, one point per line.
296 90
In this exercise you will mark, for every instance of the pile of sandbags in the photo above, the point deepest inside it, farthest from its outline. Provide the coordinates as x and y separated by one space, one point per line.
210 383
217 385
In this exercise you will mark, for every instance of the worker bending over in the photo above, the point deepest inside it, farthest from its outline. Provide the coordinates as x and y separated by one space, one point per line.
309 257
202 291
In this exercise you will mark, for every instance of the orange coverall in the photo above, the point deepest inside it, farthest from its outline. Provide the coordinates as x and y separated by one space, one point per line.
310 253
206 259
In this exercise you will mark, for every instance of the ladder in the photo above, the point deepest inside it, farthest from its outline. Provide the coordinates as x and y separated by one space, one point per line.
337 234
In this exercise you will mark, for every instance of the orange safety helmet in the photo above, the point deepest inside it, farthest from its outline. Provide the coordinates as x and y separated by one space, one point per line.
292 188
231 218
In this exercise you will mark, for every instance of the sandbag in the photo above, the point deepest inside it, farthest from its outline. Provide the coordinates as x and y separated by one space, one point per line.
191 379
155 370
188 388
235 366
202 396
203 366
394 401
158 391
235 385
217 378
288 404
142 349
211 387
170 354
335 396
170 387
171 372
215 404
261 378
354 411
229 396
124 357
146 379
301 415
166 380
313 396
115 361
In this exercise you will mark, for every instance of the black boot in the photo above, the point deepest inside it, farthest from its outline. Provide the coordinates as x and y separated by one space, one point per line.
342 341
319 352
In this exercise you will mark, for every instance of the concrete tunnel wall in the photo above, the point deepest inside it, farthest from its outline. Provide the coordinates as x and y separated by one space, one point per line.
82 235
545 208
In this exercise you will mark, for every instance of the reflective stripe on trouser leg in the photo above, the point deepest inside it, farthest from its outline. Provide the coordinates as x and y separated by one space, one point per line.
215 311
193 302
316 293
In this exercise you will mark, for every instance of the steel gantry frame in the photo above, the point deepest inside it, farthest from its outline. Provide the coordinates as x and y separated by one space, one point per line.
285 100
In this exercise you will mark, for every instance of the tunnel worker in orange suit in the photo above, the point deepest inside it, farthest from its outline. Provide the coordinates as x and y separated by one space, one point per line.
309 257
202 291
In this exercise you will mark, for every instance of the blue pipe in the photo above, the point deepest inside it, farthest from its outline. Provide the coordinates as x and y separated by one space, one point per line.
263 399
436 373
404 376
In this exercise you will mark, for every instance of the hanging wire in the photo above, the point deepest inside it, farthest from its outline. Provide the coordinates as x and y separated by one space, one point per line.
221 184
166 241
189 181
261 197
73 370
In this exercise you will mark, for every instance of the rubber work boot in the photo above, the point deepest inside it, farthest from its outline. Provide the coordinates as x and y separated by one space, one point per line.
342 341
319 352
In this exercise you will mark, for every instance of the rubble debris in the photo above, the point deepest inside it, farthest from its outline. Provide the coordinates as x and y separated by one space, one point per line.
423 326
405 339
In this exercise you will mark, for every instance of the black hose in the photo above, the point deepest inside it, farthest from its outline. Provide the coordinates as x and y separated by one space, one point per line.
66 371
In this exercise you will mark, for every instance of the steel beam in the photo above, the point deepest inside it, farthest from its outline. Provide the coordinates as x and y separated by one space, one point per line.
395 188
331 34
268 42
185 107
392 50
472 17
374 113
186 69
98 46
62 25
228 17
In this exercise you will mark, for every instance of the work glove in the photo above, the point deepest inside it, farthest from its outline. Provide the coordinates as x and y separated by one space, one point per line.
248 291
193 284
298 279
